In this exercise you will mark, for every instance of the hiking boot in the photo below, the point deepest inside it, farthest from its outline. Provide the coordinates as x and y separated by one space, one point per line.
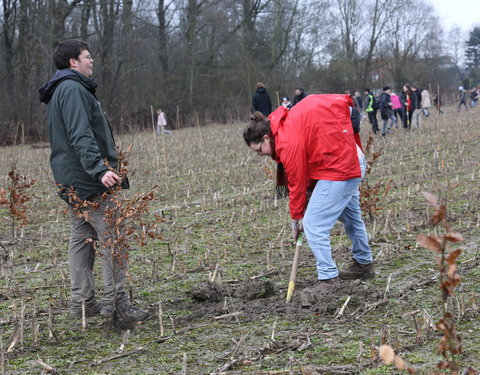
321 285
90 310
358 271
107 311
127 311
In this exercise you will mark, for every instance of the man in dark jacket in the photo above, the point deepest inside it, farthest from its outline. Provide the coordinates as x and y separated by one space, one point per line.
386 110
371 107
261 100
416 107
84 160
299 95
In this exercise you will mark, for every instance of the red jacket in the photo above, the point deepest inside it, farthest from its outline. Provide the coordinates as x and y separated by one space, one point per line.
314 140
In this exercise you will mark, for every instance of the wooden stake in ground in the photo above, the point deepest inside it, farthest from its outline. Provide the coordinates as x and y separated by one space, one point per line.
293 274
160 319
2 356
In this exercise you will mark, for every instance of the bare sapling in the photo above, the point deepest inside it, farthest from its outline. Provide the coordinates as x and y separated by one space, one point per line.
125 218
372 195
450 345
15 197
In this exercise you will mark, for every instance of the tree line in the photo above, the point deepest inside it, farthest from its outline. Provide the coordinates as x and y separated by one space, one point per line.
199 60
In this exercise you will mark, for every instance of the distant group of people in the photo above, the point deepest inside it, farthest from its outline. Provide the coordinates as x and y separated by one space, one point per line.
462 98
409 107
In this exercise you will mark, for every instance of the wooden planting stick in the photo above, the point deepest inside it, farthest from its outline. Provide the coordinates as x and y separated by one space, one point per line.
160 319
231 315
342 310
2 356
49 369
51 334
273 330
172 321
293 273
84 317
22 321
16 336
35 324
269 257
215 271
124 341
184 364
387 289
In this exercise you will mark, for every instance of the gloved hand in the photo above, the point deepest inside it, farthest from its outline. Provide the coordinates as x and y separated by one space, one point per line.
297 227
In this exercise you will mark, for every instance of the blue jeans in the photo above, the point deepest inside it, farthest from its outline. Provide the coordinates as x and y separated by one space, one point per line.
332 201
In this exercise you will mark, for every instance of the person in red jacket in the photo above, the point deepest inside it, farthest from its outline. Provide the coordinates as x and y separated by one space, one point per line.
315 145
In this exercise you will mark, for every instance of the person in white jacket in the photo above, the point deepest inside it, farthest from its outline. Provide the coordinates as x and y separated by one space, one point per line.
162 123
426 102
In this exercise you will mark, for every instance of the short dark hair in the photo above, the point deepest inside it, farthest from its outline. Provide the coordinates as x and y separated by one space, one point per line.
367 90
68 49
258 127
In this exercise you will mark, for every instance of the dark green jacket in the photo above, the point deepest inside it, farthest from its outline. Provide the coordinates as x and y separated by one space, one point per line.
80 136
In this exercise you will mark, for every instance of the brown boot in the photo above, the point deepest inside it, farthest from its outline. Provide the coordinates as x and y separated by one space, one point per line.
321 285
358 271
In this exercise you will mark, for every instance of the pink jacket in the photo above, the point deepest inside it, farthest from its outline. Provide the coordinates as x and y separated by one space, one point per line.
395 101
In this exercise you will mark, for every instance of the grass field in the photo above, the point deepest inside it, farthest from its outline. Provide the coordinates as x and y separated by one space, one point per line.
223 223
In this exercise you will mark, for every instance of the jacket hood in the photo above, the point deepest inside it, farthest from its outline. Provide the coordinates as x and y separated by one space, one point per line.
47 90
261 90
277 118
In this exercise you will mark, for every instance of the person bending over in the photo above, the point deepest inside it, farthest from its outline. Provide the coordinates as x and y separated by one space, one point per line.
314 143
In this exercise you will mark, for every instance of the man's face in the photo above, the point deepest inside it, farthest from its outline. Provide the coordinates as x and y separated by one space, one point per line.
83 64
297 92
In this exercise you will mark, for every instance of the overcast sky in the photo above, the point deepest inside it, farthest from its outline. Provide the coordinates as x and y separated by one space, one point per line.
464 13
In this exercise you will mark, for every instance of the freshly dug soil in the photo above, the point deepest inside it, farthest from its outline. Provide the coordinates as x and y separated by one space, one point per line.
261 299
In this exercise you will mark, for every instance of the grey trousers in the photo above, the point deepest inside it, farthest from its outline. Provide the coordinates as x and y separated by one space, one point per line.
81 256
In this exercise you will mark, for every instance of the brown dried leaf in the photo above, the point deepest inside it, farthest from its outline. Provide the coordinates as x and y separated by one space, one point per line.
442 365
472 371
453 237
399 362
440 325
386 353
439 214
430 242
451 270
453 255
431 198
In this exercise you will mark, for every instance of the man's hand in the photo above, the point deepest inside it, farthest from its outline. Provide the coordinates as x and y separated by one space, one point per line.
297 227
110 179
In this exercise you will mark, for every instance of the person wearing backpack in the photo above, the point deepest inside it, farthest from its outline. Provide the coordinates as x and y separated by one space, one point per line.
371 107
